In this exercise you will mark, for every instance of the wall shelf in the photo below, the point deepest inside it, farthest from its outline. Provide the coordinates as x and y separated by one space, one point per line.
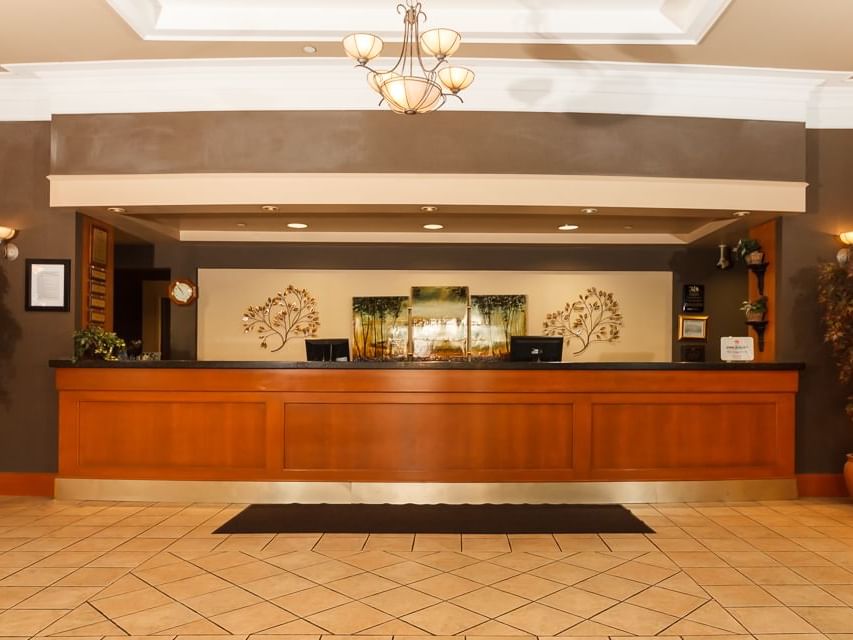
759 270
759 326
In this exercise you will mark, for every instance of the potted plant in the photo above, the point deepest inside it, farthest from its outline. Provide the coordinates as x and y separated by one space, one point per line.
95 343
835 294
755 309
750 251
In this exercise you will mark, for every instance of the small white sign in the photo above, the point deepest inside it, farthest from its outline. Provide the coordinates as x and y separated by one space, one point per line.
737 349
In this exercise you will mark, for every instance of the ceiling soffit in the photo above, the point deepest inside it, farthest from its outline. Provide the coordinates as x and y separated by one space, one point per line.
671 22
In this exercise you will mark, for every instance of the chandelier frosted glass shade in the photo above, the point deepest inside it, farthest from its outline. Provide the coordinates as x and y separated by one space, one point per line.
441 43
411 86
363 46
411 94
456 78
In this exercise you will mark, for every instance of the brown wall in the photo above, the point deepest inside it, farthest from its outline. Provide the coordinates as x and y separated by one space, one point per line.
825 433
453 142
29 339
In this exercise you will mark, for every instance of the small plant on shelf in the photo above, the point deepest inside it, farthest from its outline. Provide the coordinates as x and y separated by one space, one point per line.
755 309
749 250
95 343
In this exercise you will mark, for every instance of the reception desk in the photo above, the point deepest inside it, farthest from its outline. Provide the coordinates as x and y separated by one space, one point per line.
335 424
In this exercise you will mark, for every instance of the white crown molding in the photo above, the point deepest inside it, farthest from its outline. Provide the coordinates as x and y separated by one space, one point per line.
670 22
38 91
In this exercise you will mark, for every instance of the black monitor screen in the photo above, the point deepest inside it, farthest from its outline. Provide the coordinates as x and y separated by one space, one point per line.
327 349
536 349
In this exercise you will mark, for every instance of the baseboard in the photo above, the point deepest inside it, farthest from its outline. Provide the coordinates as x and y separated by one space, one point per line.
821 485
26 484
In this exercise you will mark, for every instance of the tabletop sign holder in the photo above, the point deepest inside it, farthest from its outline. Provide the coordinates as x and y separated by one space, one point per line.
737 349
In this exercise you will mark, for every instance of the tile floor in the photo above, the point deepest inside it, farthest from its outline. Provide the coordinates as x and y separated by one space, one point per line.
772 571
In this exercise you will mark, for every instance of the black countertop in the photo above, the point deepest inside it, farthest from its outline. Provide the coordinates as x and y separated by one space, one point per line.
421 365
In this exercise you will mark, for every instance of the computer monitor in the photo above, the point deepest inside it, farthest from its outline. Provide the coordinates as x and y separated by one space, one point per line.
536 348
327 349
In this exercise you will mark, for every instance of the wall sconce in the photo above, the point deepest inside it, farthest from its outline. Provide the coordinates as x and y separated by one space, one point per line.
724 262
7 249
845 254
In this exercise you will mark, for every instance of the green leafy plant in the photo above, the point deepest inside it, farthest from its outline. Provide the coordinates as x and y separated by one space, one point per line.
759 305
95 343
745 246
835 294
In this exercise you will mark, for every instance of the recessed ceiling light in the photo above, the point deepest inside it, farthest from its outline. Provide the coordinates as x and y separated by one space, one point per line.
430 208
297 225
269 208
309 49
568 227
741 214
627 227
433 227
116 209
241 225
589 210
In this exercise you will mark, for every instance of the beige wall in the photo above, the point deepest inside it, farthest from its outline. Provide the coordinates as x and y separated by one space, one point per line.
645 298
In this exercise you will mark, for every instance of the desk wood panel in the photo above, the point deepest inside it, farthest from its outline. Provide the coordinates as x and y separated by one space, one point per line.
434 437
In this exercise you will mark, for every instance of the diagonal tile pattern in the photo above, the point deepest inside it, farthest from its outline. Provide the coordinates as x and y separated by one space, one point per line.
721 571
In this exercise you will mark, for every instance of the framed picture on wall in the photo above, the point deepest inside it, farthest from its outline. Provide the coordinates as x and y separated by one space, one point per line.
48 285
692 327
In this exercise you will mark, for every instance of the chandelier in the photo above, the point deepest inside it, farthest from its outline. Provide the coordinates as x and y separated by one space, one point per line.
410 86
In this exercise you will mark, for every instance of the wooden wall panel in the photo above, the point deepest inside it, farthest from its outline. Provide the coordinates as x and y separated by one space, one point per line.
171 434
97 255
684 436
433 437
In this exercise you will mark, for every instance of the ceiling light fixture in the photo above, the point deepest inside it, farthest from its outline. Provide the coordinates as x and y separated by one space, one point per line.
309 49
269 208
429 208
568 227
116 210
241 225
297 225
410 86
433 227
741 214
589 211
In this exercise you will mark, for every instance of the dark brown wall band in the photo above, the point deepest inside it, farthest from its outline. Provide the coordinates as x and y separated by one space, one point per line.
472 142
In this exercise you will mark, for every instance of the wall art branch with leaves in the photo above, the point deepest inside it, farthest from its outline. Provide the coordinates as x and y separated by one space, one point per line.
594 317
291 313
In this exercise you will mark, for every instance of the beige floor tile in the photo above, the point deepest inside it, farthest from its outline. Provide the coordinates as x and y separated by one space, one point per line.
770 620
222 560
666 601
27 622
211 604
640 572
683 583
349 618
326 572
128 603
362 585
529 586
277 585
799 559
828 619
407 572
590 629
567 542
773 575
490 602
339 542
485 572
694 559
248 572
195 586
534 545
611 586
521 561
475 543
803 596
826 575
563 573
713 615
389 542
292 631
296 559
151 621
437 542
539 619
371 560
595 561
313 600
10 596
66 598
32 577
449 560
704 576
444 619
635 620
83 616
400 601
578 602
742 596
445 586
843 592
253 619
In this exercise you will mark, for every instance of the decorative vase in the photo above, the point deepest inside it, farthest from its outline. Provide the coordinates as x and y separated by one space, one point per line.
754 316
848 474
756 257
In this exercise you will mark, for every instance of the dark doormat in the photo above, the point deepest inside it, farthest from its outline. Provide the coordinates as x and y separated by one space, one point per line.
434 518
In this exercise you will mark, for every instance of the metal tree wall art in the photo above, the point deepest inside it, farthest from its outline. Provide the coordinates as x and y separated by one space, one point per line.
593 317
288 314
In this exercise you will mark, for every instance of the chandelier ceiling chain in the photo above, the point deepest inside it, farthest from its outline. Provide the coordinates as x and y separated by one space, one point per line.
411 86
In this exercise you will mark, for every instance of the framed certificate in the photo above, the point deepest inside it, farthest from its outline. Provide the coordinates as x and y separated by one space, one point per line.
48 285
692 327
